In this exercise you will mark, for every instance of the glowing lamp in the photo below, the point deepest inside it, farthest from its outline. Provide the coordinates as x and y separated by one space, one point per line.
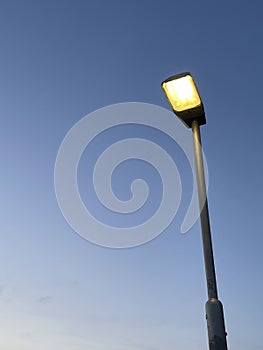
184 98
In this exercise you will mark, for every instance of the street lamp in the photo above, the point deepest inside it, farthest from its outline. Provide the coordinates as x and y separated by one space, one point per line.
186 103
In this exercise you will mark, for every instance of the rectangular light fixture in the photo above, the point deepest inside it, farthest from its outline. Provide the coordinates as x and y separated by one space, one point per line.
183 96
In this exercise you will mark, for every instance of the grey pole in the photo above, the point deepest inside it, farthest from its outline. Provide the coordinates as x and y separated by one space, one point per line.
214 308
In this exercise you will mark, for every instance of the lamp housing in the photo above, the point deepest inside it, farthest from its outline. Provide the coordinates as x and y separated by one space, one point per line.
182 94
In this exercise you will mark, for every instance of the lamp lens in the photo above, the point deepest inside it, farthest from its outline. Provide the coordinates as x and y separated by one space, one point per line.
182 93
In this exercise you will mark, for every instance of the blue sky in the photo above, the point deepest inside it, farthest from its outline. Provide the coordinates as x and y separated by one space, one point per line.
61 60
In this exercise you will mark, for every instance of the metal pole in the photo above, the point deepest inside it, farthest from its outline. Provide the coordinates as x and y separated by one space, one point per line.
214 308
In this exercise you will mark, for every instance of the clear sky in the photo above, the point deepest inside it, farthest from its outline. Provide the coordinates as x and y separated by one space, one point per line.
61 60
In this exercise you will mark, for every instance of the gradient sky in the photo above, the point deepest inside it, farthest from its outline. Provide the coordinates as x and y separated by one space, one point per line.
61 60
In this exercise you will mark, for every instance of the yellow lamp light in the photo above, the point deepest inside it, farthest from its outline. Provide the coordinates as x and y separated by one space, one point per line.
184 98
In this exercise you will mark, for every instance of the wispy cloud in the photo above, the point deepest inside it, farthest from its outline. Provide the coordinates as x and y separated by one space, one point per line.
6 293
44 300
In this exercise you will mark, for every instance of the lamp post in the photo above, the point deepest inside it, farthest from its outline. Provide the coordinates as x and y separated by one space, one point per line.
186 103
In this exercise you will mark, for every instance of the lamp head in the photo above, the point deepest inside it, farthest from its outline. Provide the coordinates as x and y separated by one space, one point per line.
183 96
